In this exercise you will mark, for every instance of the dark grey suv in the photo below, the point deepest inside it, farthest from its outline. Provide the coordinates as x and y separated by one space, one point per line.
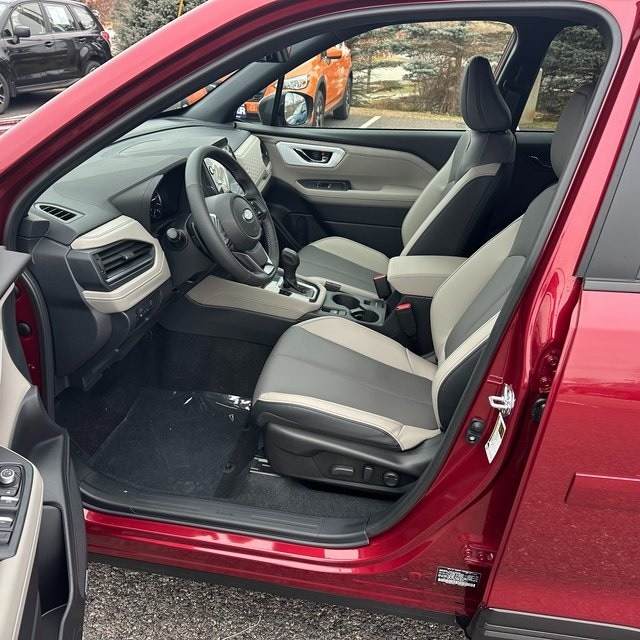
47 45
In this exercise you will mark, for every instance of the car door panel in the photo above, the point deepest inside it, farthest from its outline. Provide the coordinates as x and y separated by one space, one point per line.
345 185
43 563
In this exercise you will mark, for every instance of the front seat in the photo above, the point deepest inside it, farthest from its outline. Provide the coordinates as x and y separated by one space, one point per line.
345 405
454 204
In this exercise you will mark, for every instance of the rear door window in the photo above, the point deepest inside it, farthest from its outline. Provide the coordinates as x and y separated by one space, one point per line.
60 18
575 57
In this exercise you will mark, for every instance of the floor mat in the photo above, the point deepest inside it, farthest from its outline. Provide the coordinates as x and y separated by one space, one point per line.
177 442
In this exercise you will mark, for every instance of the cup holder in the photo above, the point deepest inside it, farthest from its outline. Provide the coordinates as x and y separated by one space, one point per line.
346 301
365 315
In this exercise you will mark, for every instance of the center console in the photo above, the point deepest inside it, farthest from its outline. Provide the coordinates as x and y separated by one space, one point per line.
369 311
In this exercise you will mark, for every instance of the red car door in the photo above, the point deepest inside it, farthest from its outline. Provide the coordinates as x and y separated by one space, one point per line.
570 558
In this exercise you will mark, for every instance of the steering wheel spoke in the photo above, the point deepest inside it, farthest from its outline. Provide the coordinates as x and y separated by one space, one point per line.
256 259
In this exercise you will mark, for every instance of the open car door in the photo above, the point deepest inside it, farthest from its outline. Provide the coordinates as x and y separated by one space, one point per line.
42 539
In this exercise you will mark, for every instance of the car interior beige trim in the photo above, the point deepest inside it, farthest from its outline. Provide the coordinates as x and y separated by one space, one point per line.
360 254
143 285
457 292
228 294
15 572
13 389
473 342
421 275
406 436
249 155
378 177
362 340
472 174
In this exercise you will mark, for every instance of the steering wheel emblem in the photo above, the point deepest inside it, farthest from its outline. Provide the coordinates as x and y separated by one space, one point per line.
247 215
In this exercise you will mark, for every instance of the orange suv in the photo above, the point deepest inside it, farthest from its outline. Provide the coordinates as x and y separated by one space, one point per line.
327 78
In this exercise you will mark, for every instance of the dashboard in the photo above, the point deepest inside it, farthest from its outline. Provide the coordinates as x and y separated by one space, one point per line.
103 237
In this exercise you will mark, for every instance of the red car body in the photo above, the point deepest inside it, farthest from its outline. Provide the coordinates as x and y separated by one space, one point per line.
552 525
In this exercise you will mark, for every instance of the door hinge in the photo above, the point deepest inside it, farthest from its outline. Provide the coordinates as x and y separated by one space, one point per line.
478 555
504 403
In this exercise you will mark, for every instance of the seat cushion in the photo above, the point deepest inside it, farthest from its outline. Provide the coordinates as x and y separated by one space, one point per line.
345 261
337 378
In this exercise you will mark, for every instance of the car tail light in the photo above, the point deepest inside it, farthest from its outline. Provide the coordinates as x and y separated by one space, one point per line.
106 36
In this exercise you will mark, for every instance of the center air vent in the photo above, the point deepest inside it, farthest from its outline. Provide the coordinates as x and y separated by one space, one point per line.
58 212
123 260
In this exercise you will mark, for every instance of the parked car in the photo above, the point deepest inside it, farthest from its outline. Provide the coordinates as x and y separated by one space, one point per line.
327 78
440 429
47 45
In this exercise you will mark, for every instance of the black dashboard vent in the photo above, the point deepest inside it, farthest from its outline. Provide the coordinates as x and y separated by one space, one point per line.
58 212
124 260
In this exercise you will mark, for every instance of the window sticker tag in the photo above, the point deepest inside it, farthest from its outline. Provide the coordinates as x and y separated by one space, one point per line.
458 577
494 442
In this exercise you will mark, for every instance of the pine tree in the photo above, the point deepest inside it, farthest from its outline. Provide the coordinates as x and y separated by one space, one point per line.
135 19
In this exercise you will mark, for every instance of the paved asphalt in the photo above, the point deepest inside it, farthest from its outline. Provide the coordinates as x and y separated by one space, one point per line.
128 605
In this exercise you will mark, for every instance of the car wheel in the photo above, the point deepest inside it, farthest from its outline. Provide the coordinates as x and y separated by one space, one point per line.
342 112
318 109
92 65
4 94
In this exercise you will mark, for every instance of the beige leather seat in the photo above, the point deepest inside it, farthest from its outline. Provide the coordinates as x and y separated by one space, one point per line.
452 206
343 404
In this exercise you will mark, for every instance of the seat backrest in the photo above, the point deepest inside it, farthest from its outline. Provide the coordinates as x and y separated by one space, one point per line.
466 307
459 198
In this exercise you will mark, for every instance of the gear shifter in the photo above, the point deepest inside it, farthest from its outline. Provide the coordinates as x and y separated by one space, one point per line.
290 261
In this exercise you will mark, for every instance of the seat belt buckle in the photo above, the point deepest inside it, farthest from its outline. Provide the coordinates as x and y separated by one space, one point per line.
406 319
383 288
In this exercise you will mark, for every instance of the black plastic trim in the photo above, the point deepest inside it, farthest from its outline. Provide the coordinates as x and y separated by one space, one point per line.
105 495
46 446
613 274
275 589
500 624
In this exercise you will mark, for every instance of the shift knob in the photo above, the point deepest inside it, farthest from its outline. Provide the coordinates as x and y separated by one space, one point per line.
290 261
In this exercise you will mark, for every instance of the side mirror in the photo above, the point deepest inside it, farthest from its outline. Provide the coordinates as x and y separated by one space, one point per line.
334 53
20 32
295 109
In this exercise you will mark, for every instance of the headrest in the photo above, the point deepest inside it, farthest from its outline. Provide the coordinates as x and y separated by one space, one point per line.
569 127
481 104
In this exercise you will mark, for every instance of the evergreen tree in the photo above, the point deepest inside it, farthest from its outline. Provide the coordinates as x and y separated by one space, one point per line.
135 19
575 57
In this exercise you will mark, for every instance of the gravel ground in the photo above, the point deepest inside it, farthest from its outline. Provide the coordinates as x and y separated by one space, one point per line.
128 605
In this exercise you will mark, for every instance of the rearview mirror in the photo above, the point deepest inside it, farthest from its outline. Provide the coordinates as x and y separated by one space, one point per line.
334 53
295 109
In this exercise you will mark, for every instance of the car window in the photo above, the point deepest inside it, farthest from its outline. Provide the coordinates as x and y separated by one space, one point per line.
395 77
576 56
60 18
28 15
84 17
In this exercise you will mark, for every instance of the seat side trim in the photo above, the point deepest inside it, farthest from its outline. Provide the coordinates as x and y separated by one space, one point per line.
406 436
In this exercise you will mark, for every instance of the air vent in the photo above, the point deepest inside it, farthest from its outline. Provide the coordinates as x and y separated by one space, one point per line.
123 260
57 212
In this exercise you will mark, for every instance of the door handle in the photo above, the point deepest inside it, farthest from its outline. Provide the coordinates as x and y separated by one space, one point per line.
303 155
315 156
83 40
49 44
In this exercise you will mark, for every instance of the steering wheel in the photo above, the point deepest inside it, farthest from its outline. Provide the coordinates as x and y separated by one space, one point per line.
237 230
